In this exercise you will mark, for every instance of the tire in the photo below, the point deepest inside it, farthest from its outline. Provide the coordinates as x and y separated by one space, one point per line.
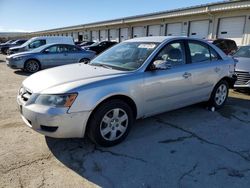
4 51
110 123
84 60
219 95
32 66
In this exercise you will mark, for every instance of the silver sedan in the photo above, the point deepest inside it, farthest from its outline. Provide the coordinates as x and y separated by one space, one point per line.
48 56
242 69
135 79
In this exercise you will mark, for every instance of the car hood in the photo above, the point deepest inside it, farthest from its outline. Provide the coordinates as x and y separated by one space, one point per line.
16 48
20 54
66 78
243 64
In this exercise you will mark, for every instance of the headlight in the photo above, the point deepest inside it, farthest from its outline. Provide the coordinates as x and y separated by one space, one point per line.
62 100
17 58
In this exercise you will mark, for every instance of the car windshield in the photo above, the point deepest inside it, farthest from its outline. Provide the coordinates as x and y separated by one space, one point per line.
95 44
127 56
243 52
27 42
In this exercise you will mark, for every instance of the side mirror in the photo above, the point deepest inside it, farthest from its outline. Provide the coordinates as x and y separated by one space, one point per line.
160 65
46 51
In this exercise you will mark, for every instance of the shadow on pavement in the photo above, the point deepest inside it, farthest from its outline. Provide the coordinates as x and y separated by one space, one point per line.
22 73
154 154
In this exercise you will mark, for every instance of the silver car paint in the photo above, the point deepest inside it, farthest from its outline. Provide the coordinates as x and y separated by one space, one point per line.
243 65
152 91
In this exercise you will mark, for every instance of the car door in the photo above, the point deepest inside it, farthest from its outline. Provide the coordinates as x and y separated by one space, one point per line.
74 54
206 67
64 51
171 87
52 56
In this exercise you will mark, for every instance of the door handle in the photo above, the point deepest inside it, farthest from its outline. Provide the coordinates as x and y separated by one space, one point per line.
187 75
217 69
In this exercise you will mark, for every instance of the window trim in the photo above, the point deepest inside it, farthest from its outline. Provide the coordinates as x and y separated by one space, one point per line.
171 42
204 45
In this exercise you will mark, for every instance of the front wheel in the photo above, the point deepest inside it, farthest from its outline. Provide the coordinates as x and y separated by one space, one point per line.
32 66
110 123
219 95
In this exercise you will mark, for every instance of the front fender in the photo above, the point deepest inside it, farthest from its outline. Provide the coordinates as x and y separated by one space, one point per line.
89 99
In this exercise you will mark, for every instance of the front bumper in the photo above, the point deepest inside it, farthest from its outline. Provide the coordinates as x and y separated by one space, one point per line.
246 86
15 64
53 122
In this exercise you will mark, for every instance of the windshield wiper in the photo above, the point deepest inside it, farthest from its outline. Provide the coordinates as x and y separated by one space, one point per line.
102 65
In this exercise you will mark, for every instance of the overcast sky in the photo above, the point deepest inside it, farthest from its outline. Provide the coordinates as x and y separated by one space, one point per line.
36 15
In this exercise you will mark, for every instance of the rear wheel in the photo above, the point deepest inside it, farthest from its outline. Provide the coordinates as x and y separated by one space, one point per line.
32 66
110 123
219 95
84 60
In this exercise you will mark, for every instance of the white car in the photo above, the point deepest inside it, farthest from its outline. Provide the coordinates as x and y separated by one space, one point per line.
135 79
36 42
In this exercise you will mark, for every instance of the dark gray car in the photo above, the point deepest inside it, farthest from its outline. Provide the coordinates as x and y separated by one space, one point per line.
47 56
242 69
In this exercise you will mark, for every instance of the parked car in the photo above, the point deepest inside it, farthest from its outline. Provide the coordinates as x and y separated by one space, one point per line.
7 42
86 43
242 69
99 47
77 43
49 55
4 48
36 42
228 46
137 78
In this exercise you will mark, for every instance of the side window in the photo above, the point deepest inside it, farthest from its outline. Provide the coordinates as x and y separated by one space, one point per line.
52 49
37 43
62 49
199 52
72 49
173 54
214 55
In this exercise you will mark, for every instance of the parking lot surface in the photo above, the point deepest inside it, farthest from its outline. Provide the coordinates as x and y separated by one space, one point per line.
190 147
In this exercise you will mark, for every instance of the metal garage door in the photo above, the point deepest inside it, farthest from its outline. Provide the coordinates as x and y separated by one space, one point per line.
174 29
95 36
199 29
86 35
123 34
113 35
138 32
154 30
75 36
232 28
103 35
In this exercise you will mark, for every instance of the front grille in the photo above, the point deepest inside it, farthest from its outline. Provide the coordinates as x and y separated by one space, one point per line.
242 77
